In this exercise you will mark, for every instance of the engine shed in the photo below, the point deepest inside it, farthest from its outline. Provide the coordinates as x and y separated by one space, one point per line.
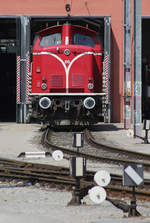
125 62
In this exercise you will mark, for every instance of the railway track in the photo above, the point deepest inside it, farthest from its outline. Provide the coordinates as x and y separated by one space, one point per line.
107 154
125 153
128 157
60 176
31 172
54 175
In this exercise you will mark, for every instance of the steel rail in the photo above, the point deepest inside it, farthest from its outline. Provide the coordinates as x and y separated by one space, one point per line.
103 159
91 140
57 177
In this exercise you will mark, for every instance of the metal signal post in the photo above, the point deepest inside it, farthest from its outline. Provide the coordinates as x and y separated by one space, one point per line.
77 168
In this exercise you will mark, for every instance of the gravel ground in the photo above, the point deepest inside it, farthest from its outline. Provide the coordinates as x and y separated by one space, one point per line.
35 204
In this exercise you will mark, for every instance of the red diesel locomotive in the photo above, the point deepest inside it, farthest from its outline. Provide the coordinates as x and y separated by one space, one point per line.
67 75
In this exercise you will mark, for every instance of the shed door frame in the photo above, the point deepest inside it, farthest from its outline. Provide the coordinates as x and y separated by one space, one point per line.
106 70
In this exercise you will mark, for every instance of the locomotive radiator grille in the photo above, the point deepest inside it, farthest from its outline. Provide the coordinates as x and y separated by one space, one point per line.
77 80
56 81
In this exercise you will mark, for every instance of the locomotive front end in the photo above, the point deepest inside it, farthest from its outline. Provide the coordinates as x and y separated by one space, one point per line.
67 75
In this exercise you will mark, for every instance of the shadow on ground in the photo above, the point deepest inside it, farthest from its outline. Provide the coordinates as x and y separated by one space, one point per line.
105 127
94 128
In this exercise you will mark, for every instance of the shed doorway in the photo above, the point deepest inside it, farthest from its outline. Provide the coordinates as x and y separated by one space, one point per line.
8 70
8 88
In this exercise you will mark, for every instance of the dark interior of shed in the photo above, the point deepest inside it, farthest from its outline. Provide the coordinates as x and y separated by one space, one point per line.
39 23
8 70
146 68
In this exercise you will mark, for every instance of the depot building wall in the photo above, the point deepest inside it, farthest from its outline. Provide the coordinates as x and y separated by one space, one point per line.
85 8
145 8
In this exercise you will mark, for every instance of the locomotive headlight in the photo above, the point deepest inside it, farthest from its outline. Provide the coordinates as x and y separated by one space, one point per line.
45 102
44 86
90 86
89 103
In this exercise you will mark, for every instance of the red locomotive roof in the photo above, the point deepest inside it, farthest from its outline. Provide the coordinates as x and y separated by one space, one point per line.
58 28
50 30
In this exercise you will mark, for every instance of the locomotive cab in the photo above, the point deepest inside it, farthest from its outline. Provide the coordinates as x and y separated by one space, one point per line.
67 75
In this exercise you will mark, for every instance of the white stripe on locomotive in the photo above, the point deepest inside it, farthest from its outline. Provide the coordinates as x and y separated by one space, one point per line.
67 69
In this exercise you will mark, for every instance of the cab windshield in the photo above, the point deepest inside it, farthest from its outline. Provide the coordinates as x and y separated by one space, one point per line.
50 40
82 39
